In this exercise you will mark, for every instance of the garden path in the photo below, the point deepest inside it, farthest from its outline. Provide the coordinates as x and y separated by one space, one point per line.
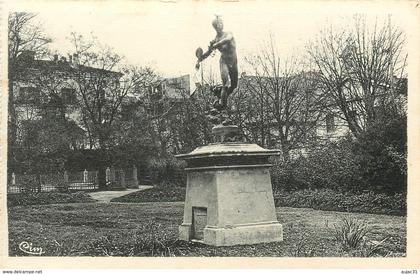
107 196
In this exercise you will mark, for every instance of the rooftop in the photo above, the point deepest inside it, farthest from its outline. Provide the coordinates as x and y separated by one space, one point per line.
28 60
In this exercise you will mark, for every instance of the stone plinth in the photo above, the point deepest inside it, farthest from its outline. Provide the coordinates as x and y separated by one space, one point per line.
229 198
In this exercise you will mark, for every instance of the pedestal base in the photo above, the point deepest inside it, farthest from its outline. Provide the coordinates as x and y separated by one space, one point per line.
229 198
230 204
239 235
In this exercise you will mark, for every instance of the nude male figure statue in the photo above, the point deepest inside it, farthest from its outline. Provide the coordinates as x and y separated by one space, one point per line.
225 43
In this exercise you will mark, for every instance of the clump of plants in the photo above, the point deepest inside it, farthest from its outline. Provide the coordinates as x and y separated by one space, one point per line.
351 235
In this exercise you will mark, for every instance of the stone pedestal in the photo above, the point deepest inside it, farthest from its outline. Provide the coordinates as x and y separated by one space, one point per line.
133 182
229 198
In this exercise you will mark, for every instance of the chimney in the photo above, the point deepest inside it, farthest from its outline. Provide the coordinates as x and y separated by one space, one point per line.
31 55
71 59
76 59
55 58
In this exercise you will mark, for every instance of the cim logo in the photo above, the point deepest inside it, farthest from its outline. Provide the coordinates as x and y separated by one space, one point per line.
29 249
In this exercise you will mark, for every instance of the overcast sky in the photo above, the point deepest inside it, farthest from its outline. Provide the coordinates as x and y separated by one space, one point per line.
165 35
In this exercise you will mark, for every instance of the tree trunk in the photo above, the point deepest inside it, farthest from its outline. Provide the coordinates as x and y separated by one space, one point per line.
355 130
285 150
102 165
286 153
12 128
370 109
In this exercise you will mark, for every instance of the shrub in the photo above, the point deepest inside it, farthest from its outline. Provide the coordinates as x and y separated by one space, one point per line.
283 175
381 152
167 171
327 199
375 161
330 166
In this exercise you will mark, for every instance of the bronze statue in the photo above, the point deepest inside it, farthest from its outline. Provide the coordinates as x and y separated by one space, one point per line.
225 43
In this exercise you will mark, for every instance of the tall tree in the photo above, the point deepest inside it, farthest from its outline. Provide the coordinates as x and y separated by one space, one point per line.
359 66
375 62
282 104
25 35
103 84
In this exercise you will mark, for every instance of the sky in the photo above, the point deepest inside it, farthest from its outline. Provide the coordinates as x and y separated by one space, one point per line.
164 35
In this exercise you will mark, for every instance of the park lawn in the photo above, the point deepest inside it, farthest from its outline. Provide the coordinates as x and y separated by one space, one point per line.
43 198
150 229
322 199
159 193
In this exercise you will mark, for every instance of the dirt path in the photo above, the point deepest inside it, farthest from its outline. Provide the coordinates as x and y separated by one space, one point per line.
107 196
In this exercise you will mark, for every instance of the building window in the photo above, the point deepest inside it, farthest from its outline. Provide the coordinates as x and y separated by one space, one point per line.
68 95
330 123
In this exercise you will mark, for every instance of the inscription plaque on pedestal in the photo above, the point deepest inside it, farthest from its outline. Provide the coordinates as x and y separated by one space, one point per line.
199 222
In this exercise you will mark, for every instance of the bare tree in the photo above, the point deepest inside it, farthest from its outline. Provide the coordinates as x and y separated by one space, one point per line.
103 84
283 100
375 58
356 67
25 34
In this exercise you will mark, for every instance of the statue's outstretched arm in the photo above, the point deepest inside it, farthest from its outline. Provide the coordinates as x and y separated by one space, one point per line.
205 55
208 52
228 38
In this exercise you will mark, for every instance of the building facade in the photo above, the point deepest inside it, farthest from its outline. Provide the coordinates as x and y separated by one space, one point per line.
51 89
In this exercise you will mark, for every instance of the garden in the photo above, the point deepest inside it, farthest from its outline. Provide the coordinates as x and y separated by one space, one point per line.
338 193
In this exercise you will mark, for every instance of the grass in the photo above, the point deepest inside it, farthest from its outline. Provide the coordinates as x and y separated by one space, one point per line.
317 199
160 193
19 199
151 229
